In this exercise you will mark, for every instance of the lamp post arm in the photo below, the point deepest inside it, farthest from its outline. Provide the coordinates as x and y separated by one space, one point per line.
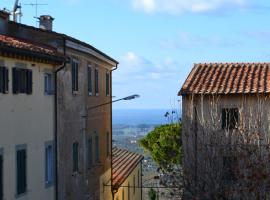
103 104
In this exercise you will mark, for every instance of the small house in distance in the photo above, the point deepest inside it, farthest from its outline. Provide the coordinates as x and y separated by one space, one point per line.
126 176
225 131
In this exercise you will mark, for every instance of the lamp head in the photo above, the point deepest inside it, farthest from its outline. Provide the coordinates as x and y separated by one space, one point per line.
131 97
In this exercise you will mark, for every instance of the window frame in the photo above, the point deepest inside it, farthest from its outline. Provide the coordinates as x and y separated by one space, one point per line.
228 119
49 183
22 147
50 90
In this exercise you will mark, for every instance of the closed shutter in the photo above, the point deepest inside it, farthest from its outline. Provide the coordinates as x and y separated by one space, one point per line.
1 79
96 81
107 84
29 81
15 80
73 76
224 120
97 148
21 171
75 157
1 177
89 80
6 80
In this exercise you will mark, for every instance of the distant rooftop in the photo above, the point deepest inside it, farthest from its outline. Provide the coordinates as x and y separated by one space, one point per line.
228 78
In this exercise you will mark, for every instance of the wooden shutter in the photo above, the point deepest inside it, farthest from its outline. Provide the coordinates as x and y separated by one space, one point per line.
21 171
75 157
97 148
90 153
73 75
1 177
15 80
1 79
29 81
6 80
96 81
107 84
90 80
224 120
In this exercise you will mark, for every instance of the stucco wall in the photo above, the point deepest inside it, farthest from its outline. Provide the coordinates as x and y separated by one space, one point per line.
134 194
26 119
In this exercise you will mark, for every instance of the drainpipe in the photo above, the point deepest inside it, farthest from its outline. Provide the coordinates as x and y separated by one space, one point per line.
55 121
112 130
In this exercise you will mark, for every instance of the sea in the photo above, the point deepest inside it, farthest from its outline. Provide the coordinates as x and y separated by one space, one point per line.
141 116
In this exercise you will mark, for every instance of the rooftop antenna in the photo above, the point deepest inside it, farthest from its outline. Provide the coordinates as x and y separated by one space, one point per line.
16 11
36 4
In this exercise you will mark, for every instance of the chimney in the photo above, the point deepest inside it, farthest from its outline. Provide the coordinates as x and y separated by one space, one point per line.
46 22
4 15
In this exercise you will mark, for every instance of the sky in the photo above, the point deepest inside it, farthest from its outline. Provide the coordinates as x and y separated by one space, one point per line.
157 42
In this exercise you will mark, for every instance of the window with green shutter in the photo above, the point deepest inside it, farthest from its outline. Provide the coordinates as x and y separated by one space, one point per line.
21 171
75 75
97 148
89 153
3 80
22 81
96 82
75 152
1 177
107 84
90 87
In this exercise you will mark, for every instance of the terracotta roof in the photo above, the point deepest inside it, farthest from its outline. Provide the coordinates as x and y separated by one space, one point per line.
228 78
26 45
123 163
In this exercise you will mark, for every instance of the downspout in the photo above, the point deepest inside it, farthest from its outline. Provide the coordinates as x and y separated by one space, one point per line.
112 130
55 121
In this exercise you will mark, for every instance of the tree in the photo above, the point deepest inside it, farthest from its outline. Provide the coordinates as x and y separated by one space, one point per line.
152 194
165 147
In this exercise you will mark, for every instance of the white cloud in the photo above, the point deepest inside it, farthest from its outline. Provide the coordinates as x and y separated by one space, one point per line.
181 6
135 68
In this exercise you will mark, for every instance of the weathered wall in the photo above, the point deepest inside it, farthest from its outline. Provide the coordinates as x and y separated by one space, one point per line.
27 119
205 142
74 127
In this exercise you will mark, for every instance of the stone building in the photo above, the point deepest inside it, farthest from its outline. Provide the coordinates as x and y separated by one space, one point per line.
27 119
83 134
225 131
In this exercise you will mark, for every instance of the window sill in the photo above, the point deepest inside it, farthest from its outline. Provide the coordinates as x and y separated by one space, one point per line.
48 184
76 174
75 92
21 195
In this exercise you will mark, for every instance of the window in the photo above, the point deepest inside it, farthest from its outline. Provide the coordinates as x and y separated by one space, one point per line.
123 194
90 153
22 81
107 84
1 176
96 82
128 191
138 178
230 118
3 80
48 83
75 66
90 87
229 165
134 184
21 170
49 164
97 148
108 143
75 152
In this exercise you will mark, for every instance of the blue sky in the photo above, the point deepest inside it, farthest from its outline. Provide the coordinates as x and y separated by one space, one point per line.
157 41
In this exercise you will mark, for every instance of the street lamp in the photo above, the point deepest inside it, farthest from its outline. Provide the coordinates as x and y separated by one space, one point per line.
134 96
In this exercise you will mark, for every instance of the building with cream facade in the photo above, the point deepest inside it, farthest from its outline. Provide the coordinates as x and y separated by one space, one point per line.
27 119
